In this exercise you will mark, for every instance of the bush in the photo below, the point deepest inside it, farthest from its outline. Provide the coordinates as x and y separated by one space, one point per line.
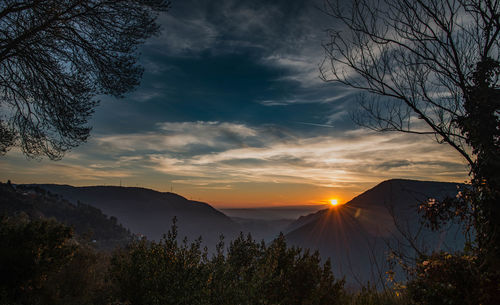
444 278
371 296
31 251
249 273
160 273
42 263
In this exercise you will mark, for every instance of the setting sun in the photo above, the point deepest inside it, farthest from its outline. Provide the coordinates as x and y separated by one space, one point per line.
334 202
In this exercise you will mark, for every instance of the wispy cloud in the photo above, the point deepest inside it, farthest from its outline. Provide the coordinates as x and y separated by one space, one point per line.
185 137
186 35
316 124
71 170
215 152
223 156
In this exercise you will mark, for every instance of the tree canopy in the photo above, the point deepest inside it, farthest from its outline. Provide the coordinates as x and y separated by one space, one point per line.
418 57
432 67
56 57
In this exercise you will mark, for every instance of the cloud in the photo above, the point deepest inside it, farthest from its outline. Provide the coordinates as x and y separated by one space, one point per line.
214 153
316 124
282 34
221 27
181 137
184 35
301 65
144 96
394 164
73 168
332 95
222 155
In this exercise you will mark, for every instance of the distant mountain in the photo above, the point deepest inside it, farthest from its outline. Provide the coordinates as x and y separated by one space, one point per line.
86 220
356 235
302 220
273 212
148 212
262 229
267 222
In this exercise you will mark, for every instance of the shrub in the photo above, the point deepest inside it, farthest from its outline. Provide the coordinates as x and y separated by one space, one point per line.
444 278
249 273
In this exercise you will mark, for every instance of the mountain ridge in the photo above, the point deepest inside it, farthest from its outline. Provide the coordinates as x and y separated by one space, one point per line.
358 235
149 212
88 221
357 201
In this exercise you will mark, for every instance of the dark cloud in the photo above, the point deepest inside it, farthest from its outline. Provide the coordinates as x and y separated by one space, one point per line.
230 61
393 164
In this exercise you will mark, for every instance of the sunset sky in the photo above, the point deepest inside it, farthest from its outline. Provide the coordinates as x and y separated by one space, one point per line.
231 111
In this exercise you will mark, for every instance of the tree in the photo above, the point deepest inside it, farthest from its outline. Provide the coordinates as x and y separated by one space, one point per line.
434 68
31 251
163 272
56 57
443 278
248 273
417 56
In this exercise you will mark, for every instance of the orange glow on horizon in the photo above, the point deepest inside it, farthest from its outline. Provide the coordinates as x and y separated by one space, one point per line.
334 202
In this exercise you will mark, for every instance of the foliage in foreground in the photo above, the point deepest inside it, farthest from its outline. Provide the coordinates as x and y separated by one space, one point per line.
42 262
445 278
249 273
371 296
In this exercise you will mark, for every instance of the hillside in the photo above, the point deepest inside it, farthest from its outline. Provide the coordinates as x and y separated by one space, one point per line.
86 220
267 222
148 212
356 235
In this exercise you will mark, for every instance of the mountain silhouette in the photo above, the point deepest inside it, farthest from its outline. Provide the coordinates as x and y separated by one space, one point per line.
86 220
358 236
150 213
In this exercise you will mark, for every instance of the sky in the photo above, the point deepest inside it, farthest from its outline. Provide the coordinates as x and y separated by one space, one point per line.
231 111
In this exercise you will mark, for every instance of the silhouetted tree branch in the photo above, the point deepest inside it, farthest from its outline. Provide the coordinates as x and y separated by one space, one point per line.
436 62
417 56
56 57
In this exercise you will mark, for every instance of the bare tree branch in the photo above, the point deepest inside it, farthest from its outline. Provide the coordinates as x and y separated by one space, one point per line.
56 57
417 56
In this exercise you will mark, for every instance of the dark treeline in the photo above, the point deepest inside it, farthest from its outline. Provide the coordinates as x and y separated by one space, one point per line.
43 262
